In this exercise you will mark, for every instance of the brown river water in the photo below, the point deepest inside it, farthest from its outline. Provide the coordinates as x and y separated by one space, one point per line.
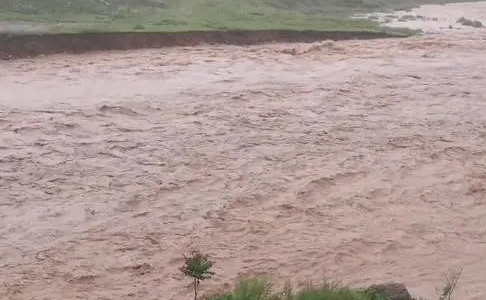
359 160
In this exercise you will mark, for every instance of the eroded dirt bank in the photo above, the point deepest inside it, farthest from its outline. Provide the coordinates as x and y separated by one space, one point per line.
31 45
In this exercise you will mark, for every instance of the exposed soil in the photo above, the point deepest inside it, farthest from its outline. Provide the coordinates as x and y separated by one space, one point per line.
362 160
30 45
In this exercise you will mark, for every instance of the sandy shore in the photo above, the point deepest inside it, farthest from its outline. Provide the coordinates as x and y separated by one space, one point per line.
363 160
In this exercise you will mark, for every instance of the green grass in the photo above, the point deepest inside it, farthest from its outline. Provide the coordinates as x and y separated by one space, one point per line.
258 289
181 15
186 15
261 289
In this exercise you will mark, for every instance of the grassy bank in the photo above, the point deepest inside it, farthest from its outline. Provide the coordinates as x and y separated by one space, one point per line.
172 15
198 267
257 289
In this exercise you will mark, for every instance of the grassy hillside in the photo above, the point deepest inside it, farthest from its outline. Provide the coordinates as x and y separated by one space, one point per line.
170 15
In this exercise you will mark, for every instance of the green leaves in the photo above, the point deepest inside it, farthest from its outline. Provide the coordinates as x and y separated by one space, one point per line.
260 289
197 266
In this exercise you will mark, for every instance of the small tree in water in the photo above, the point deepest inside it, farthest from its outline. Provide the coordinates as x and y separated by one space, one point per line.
198 267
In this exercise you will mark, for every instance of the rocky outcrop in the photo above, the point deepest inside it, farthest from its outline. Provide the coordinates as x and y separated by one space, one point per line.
392 291
472 23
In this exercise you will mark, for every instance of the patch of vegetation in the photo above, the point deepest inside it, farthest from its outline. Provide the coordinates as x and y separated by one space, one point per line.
198 267
450 285
181 15
138 27
260 289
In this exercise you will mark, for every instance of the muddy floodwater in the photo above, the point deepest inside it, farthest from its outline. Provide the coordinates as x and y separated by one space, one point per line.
358 160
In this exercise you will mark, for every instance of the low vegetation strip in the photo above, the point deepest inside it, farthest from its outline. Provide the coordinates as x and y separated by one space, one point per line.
31 45
183 15
198 267
260 289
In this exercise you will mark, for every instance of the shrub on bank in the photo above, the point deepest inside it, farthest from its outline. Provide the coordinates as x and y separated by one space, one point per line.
259 289
198 266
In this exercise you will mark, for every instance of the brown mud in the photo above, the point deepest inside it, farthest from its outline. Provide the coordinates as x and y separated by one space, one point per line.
31 45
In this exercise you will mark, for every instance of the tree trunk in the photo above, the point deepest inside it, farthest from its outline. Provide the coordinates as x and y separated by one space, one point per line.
195 289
